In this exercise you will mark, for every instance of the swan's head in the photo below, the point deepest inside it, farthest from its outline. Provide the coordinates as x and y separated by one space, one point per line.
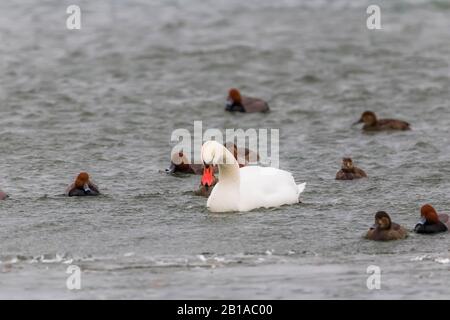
368 118
82 181
212 153
382 221
428 214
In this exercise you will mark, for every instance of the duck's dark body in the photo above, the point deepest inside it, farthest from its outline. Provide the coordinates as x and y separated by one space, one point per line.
73 191
387 124
372 123
395 232
238 103
248 105
429 227
346 174
77 192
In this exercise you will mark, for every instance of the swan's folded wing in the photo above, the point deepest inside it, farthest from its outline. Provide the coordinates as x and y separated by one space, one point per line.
267 187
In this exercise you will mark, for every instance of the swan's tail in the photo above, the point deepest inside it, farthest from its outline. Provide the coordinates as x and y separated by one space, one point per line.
301 188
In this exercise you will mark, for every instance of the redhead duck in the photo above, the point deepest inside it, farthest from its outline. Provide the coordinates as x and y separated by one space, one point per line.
3 195
431 222
236 102
371 123
384 229
349 171
180 163
207 182
243 156
82 187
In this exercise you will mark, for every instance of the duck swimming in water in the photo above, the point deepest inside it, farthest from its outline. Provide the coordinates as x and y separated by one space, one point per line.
180 163
384 229
82 187
238 103
3 195
371 123
349 171
431 222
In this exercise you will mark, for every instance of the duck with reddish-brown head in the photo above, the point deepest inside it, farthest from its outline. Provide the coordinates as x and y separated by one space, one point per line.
238 103
431 222
372 123
385 230
82 186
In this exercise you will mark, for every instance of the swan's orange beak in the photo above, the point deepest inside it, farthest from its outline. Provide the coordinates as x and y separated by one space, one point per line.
208 176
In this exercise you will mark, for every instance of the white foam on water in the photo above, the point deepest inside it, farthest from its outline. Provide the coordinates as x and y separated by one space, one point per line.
442 260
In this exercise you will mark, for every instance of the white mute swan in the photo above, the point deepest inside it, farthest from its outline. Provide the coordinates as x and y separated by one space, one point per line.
247 188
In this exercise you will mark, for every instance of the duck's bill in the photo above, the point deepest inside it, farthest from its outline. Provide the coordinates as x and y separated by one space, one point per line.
229 104
421 221
86 188
357 122
374 226
170 169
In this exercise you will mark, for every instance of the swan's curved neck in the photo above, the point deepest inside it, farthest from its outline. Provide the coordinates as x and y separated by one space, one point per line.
229 169
229 172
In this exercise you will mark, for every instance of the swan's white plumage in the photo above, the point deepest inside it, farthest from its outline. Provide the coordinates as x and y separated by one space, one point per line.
247 188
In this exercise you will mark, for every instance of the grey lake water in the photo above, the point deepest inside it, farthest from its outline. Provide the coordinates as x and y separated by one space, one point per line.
106 98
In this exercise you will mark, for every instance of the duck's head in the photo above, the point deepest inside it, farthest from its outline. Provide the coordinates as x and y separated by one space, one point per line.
368 118
177 159
82 181
428 214
347 163
234 97
382 221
